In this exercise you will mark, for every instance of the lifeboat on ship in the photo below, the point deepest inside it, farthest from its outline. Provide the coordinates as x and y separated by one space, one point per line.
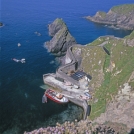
56 97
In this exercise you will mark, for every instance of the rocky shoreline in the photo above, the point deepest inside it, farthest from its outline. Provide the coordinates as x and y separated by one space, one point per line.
121 17
82 127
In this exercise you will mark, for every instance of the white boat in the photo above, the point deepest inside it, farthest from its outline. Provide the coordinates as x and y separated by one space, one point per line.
22 60
16 60
19 44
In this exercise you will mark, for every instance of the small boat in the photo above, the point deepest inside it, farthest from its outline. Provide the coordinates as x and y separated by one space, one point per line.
16 60
56 97
19 44
22 60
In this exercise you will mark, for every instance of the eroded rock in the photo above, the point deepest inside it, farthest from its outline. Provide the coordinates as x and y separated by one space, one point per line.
62 39
118 17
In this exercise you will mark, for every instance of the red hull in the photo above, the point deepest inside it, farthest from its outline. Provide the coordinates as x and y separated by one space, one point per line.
53 98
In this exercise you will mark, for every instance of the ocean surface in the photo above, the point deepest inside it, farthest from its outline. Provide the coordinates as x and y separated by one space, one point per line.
21 85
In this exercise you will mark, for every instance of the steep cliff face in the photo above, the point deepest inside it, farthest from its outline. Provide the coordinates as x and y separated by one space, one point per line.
113 95
55 26
119 17
129 40
62 39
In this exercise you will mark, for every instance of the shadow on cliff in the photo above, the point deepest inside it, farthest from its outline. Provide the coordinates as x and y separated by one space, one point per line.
132 131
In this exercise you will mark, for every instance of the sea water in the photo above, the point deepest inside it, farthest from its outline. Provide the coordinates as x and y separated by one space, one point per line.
21 85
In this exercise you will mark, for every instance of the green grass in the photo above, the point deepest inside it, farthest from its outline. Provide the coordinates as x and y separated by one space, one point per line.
101 93
90 65
108 47
97 41
131 36
102 14
124 9
132 85
59 21
123 58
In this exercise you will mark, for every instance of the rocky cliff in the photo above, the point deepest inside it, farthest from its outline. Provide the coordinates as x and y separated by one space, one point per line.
110 62
1 24
112 79
121 16
61 38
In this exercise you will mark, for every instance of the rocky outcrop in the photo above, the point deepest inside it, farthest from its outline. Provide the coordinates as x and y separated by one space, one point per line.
62 39
129 40
121 110
56 26
119 17
82 127
1 24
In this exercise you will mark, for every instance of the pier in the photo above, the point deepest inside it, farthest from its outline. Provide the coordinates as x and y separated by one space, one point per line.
78 84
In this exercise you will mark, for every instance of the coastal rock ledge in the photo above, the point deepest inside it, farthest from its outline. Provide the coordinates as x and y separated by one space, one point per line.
61 38
1 24
121 16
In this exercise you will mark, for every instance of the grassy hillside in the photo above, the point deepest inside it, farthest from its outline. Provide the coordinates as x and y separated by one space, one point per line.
109 72
131 36
123 9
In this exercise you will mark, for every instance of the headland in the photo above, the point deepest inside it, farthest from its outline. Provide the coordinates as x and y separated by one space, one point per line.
118 17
